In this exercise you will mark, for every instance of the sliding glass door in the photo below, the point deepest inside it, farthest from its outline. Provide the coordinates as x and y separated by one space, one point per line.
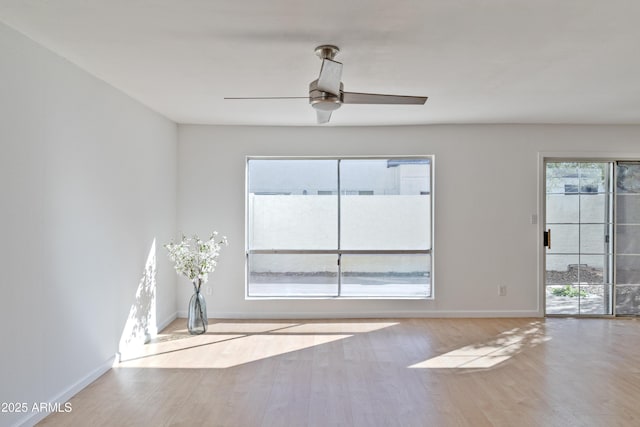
592 238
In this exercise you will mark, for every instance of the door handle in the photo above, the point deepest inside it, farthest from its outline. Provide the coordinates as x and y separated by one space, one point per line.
546 239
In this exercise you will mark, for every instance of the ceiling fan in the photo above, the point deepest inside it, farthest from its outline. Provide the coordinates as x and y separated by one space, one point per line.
327 94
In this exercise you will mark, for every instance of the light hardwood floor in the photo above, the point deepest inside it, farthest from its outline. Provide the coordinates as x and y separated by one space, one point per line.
375 372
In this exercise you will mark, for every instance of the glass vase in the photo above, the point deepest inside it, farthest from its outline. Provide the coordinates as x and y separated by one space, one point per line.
197 316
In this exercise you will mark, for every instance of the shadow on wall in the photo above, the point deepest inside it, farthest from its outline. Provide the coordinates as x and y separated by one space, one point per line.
141 325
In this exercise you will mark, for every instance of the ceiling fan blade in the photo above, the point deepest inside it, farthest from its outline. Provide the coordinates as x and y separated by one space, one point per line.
330 75
376 98
267 97
323 116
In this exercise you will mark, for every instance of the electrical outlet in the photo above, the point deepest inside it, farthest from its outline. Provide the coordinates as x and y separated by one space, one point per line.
502 291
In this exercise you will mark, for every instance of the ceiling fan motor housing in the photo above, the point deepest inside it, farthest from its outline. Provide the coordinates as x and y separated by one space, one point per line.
324 101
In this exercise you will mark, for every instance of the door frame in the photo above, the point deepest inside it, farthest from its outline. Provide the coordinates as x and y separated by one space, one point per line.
557 156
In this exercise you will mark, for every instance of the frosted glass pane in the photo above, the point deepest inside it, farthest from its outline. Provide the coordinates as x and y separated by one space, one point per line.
628 269
628 209
385 204
293 204
628 239
628 300
628 178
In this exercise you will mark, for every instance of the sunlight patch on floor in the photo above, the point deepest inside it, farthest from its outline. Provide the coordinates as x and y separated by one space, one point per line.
340 327
231 344
491 353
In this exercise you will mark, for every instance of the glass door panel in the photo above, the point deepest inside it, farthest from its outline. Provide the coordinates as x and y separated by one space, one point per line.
578 273
628 238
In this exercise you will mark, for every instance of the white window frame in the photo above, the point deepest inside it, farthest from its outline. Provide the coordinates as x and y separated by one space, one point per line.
339 252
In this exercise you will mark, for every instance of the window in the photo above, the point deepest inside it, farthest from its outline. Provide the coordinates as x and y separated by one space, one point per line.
328 227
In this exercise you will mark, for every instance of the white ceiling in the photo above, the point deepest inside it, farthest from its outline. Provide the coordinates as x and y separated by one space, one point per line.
479 61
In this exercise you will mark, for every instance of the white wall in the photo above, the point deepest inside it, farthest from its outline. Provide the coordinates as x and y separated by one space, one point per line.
87 182
485 191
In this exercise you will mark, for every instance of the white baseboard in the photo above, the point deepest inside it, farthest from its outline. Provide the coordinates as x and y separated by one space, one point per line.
72 390
168 320
371 315
67 394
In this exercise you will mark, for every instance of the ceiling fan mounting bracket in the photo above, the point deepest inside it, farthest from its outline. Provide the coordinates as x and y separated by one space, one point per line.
327 51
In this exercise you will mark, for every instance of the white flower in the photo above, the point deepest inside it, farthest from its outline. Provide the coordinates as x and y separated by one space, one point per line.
195 258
